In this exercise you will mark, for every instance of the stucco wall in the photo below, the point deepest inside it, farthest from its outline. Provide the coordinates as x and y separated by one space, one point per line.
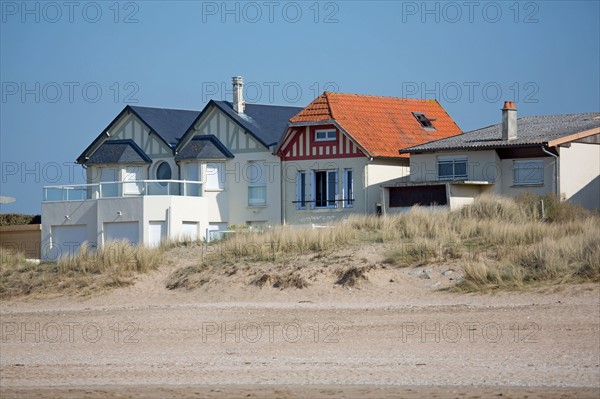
481 165
580 174
508 187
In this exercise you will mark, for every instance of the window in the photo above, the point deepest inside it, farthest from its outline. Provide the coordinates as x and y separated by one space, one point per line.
132 174
424 120
401 197
452 167
348 185
163 172
325 135
214 176
257 183
528 172
325 188
301 189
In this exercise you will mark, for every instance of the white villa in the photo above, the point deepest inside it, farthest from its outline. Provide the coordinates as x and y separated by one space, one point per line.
155 173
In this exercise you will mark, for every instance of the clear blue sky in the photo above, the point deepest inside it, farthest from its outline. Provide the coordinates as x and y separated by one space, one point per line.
68 69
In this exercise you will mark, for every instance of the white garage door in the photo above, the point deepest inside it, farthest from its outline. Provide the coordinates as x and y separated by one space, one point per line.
189 231
66 240
157 231
121 231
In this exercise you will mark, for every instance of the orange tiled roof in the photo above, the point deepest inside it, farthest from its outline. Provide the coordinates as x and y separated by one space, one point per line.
380 125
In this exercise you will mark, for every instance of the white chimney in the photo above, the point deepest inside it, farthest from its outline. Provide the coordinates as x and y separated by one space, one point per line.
509 121
238 94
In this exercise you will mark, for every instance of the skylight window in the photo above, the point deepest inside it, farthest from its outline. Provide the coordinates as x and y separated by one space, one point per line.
424 120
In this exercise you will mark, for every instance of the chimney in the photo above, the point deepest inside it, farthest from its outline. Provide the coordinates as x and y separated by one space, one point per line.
509 121
238 96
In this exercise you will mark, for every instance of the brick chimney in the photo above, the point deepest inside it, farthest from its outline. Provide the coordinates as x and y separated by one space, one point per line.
238 94
509 121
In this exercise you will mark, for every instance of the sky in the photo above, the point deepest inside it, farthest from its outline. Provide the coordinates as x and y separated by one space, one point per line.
68 68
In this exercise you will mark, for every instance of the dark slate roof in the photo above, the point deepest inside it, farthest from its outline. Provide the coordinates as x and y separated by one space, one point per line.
204 147
169 124
119 151
531 130
266 123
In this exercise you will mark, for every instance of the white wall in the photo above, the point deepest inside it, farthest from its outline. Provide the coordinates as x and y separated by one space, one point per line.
481 165
379 171
579 174
173 210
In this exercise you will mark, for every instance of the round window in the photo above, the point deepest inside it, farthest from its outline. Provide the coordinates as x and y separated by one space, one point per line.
163 172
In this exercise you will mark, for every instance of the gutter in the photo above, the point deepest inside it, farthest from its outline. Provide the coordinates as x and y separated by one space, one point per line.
556 169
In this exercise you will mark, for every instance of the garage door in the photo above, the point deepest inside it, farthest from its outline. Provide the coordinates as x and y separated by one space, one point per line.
157 231
121 231
189 231
66 240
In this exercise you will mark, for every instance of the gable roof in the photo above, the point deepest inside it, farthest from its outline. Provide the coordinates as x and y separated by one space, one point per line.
119 151
265 123
169 124
380 125
531 130
204 147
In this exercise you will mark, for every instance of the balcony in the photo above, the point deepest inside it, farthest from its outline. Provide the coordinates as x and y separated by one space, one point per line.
122 189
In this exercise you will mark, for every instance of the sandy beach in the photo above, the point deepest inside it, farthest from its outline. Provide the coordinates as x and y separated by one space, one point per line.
393 336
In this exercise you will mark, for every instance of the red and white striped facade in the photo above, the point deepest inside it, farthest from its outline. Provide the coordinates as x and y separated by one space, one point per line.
299 143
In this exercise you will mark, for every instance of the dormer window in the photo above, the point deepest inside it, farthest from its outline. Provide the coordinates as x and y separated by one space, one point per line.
325 135
424 120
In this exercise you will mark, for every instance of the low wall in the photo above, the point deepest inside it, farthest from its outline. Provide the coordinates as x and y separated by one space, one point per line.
24 238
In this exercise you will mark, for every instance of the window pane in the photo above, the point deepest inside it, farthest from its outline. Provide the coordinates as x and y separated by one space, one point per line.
214 176
445 169
529 172
320 189
349 193
257 195
255 173
331 188
460 169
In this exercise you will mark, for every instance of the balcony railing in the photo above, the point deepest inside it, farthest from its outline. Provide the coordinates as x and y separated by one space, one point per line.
120 189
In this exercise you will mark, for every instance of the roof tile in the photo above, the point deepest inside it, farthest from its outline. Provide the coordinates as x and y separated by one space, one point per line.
380 125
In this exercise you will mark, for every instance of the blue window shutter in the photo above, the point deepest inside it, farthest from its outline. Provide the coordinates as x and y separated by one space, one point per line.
313 195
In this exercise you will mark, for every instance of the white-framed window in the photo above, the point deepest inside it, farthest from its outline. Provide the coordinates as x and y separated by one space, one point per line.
325 135
452 168
528 172
131 174
301 189
257 183
348 188
215 176
324 184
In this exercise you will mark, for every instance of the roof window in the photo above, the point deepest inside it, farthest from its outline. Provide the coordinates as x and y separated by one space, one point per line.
424 120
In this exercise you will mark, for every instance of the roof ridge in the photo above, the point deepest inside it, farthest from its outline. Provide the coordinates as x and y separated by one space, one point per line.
162 108
380 96
264 105
326 94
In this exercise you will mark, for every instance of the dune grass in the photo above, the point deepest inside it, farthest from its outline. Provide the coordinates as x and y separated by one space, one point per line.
89 270
503 243
500 243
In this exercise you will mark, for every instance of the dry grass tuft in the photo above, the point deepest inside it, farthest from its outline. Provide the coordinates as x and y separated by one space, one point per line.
351 276
90 270
291 280
188 277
